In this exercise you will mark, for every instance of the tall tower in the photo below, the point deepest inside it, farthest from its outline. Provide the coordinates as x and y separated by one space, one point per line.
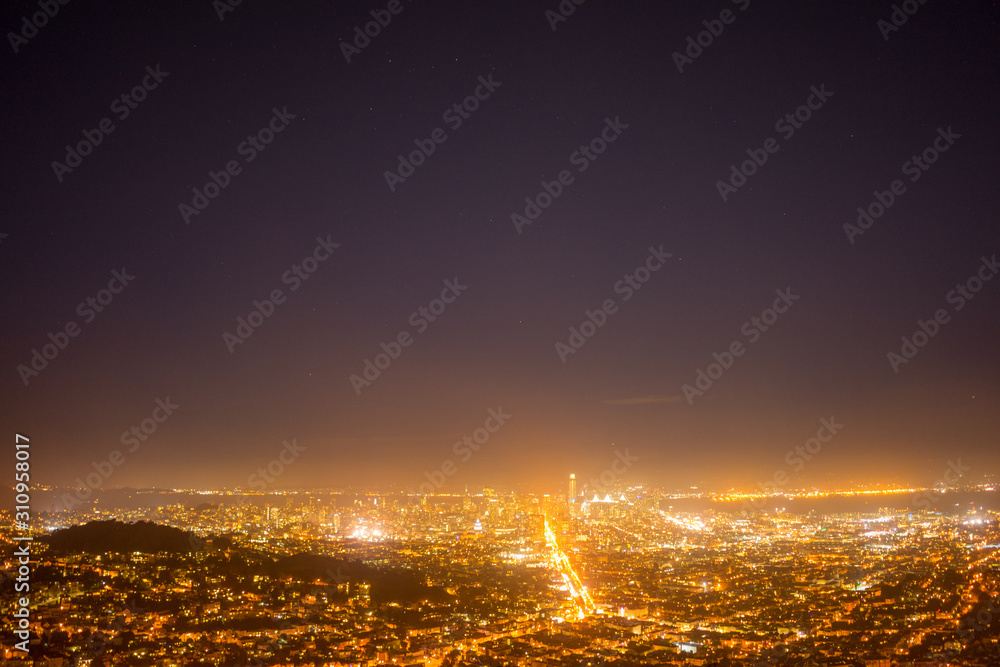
572 489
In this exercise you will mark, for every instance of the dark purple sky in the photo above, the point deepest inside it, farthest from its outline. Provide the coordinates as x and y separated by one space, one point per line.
339 126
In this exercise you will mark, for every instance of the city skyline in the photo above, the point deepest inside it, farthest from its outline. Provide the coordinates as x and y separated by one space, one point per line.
508 577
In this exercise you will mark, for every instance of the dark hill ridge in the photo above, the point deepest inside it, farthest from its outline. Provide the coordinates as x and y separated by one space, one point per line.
115 536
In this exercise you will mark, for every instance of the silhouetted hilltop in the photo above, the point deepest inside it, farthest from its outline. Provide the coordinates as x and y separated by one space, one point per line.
116 536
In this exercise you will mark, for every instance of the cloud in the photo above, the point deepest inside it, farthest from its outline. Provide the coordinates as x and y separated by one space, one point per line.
643 400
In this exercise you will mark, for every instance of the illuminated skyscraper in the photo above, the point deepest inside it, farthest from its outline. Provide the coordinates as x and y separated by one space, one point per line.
572 490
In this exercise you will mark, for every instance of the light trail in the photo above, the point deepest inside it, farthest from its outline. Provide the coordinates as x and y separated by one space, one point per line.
561 562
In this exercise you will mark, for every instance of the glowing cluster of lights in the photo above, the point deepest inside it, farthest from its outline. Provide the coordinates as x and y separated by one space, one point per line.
367 534
688 524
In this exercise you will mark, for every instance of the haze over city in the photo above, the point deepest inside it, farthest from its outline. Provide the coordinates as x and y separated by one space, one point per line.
336 128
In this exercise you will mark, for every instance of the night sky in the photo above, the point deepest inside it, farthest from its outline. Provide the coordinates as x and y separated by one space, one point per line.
613 121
